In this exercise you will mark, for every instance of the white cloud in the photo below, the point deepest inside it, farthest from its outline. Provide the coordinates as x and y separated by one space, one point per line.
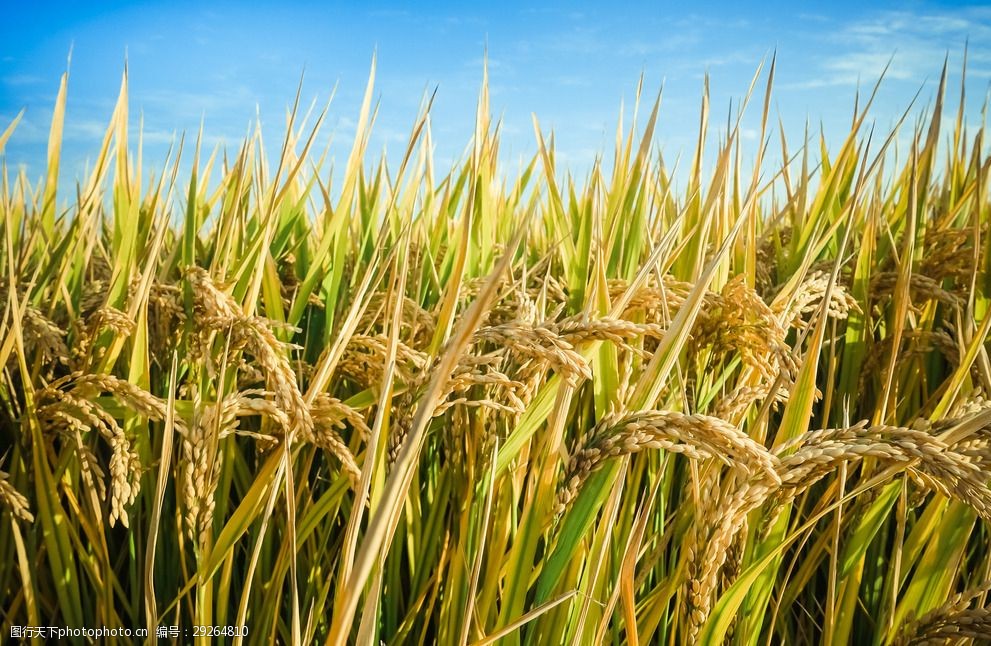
23 79
913 42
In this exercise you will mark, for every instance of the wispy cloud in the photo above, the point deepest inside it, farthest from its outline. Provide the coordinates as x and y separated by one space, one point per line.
23 79
908 43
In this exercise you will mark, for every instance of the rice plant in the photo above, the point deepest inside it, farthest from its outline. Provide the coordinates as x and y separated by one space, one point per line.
391 403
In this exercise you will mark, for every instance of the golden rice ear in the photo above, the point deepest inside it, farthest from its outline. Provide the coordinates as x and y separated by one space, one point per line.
698 437
14 500
951 621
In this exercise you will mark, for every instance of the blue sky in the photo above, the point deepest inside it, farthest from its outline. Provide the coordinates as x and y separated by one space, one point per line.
570 63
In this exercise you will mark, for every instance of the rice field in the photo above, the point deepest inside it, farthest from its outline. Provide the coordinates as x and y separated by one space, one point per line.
420 405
